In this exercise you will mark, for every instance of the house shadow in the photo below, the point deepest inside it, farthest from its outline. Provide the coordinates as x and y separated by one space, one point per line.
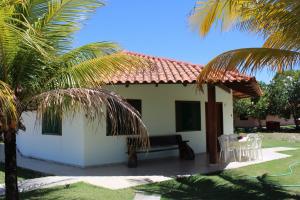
217 186
221 186
168 167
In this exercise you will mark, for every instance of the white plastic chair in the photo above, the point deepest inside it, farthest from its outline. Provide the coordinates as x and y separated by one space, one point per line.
257 150
254 147
250 146
226 149
233 137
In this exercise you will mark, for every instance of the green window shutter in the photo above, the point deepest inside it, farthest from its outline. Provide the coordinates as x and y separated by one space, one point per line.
52 123
188 116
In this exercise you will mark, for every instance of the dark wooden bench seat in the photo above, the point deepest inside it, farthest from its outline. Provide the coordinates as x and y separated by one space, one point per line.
157 144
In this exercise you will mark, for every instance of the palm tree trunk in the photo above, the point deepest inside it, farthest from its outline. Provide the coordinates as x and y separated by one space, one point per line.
11 184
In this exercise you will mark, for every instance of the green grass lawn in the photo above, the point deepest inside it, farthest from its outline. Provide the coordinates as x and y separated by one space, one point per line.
22 174
281 140
79 191
280 143
237 183
229 184
277 166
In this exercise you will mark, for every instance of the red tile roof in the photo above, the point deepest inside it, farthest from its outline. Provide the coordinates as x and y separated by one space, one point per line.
164 70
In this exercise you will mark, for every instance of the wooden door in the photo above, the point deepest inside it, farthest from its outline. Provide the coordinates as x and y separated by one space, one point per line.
219 123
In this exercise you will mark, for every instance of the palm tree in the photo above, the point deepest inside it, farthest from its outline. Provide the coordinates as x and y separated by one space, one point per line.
39 71
278 21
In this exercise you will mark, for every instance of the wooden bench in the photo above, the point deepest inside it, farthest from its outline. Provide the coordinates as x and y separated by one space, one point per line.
157 144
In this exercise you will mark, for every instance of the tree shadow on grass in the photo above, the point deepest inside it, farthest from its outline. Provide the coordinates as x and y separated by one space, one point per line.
262 187
222 186
77 191
26 173
55 193
40 194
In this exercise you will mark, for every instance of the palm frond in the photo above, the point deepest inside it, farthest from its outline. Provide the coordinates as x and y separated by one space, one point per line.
276 20
8 43
249 60
225 12
264 16
26 42
22 31
87 52
29 38
69 14
270 17
8 109
95 103
95 72
5 3
33 10
289 40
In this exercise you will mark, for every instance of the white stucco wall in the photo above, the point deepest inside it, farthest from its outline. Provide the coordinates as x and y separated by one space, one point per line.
85 143
68 148
227 100
158 113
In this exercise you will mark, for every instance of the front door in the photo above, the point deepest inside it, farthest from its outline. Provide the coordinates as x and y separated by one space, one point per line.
219 123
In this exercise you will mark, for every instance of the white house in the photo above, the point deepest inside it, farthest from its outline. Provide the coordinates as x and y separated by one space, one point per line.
160 93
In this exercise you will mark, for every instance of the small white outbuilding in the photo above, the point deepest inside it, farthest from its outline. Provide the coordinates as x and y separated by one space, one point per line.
169 102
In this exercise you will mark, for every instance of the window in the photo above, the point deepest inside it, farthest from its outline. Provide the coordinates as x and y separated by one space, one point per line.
137 104
51 123
188 116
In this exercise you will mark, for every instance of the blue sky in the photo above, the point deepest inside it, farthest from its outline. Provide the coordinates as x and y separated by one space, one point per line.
161 28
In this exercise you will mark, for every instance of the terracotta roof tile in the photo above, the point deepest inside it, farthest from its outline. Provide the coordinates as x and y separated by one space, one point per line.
164 70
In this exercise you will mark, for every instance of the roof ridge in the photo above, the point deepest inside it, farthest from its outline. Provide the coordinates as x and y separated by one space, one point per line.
162 58
233 75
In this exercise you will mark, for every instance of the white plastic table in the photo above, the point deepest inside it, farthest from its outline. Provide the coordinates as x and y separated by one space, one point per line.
239 145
